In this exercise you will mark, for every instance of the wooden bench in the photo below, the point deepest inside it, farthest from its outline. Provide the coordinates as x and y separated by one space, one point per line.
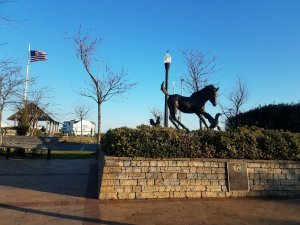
32 143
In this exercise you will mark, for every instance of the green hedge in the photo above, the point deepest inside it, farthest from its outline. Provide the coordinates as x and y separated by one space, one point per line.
274 116
243 143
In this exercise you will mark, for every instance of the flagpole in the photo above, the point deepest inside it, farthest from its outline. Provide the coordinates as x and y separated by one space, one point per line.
27 76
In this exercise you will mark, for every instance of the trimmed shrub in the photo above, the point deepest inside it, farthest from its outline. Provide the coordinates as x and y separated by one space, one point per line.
274 116
243 143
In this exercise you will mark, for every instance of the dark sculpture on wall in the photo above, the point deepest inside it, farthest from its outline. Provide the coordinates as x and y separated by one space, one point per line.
193 104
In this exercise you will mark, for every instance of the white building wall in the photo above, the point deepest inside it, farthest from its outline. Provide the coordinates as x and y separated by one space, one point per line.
74 127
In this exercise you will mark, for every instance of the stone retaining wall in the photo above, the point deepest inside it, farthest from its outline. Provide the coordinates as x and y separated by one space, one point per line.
140 178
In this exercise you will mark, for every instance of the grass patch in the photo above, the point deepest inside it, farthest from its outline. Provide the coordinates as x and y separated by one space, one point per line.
54 154
73 154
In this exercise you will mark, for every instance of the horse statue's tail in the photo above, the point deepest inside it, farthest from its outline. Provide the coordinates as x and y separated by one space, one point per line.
162 88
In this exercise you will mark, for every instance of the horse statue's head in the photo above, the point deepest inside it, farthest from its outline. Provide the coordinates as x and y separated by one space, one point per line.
212 93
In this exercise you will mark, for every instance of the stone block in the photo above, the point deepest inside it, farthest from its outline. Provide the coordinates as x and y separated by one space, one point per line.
206 170
193 194
150 181
137 169
253 165
108 189
221 194
222 164
113 163
154 169
169 175
153 175
126 195
112 170
184 182
171 182
181 176
178 194
196 163
108 196
200 188
150 188
145 163
220 170
136 188
171 169
213 164
172 163
126 163
145 195
184 169
128 182
206 182
163 163
145 169
110 183
221 176
158 182
192 176
135 163
127 189
153 163
211 176
162 194
119 189
122 176
207 164
136 175
220 182
182 163
193 169
110 176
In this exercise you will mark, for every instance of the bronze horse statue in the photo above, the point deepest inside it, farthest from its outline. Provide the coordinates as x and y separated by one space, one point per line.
193 104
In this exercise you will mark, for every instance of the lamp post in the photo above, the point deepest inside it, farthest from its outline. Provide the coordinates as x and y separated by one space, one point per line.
181 82
167 62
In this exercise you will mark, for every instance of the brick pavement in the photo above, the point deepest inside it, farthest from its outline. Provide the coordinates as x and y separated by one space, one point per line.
37 191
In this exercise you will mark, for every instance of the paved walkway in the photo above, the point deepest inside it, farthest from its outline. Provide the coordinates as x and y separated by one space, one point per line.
41 192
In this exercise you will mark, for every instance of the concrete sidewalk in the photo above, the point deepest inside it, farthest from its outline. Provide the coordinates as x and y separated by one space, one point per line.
37 191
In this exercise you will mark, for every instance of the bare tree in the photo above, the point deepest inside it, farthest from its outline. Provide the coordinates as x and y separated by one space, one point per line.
11 84
101 88
3 17
199 67
81 112
237 98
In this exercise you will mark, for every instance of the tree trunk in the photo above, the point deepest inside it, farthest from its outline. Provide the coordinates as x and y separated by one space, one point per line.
80 130
1 110
99 126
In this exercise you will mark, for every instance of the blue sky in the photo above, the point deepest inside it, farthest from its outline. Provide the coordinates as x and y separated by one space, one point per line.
256 40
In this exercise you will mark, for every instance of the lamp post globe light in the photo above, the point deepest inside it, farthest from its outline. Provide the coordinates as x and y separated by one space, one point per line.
167 62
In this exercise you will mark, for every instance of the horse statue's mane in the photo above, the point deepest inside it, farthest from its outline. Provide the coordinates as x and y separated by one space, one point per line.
203 90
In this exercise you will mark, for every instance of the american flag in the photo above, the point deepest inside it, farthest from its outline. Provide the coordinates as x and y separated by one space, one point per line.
37 56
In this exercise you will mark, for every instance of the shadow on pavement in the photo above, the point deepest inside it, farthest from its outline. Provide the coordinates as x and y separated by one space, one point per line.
71 177
58 215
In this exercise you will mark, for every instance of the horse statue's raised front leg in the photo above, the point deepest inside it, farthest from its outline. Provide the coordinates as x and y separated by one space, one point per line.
214 122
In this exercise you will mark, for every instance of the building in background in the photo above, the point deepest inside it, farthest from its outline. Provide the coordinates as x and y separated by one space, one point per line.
73 127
